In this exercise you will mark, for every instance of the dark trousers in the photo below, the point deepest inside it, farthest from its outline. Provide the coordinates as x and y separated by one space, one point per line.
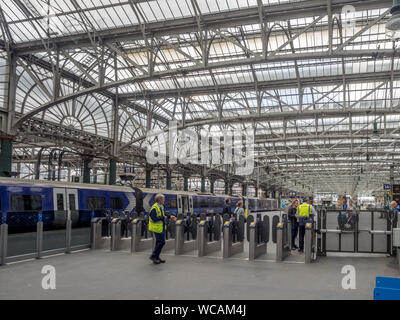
295 231
160 243
302 232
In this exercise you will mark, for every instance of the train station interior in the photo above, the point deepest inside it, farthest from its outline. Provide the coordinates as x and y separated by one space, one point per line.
231 110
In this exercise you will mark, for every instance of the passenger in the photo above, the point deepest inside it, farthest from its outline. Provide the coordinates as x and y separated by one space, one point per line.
239 210
227 208
157 225
344 204
292 214
304 212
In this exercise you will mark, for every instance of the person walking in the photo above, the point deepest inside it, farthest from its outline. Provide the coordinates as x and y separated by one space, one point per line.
157 225
304 212
292 214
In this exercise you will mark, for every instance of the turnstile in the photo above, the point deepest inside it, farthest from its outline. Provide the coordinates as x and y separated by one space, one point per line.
256 249
185 226
97 241
209 238
283 240
233 241
310 243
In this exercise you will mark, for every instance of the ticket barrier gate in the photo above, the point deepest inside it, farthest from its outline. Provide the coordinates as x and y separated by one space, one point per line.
357 231
283 239
310 242
233 233
186 234
258 236
209 235
110 232
99 240
396 244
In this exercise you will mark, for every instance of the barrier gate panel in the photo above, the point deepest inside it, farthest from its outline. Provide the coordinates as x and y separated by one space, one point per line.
351 231
364 236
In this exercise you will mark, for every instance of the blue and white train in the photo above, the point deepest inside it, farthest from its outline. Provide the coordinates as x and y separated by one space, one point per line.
24 202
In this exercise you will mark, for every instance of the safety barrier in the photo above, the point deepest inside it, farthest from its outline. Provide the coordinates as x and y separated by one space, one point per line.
34 232
363 231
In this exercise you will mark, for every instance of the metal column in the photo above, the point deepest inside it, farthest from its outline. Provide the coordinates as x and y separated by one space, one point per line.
3 243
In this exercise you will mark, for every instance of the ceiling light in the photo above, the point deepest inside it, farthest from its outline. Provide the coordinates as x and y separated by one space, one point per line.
393 25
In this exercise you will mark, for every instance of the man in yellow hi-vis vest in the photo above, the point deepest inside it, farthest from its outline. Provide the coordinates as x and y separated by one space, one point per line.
304 212
157 226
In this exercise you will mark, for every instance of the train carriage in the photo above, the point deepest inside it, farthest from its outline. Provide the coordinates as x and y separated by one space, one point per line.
23 203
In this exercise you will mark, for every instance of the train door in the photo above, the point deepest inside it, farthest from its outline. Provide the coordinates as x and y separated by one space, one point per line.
65 202
191 208
59 199
73 204
185 204
179 204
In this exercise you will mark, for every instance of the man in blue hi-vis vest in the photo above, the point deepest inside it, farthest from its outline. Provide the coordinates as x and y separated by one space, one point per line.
158 227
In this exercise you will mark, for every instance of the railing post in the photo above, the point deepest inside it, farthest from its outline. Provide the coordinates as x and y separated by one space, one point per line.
68 235
3 243
39 236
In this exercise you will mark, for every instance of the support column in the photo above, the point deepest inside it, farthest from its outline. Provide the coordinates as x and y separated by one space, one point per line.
203 184
231 189
95 176
226 187
169 180
113 172
244 190
86 170
212 185
5 157
148 177
256 191
186 182
6 140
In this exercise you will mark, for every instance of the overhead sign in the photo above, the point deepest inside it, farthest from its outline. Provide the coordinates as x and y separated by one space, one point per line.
387 187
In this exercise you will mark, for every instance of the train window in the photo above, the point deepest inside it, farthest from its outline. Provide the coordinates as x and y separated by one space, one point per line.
117 203
203 203
214 203
172 203
72 204
95 203
60 202
23 202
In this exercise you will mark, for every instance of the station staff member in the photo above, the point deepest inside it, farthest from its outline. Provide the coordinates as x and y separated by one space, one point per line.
304 213
158 227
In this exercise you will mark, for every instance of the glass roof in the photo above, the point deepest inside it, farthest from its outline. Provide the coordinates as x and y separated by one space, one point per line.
225 77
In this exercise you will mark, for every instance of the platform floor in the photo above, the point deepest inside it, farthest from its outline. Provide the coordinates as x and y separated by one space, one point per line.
120 275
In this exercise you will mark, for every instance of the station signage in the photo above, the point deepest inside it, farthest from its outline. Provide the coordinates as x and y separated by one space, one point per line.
387 187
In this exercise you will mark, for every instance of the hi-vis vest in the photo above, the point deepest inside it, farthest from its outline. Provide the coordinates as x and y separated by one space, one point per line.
157 226
304 210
